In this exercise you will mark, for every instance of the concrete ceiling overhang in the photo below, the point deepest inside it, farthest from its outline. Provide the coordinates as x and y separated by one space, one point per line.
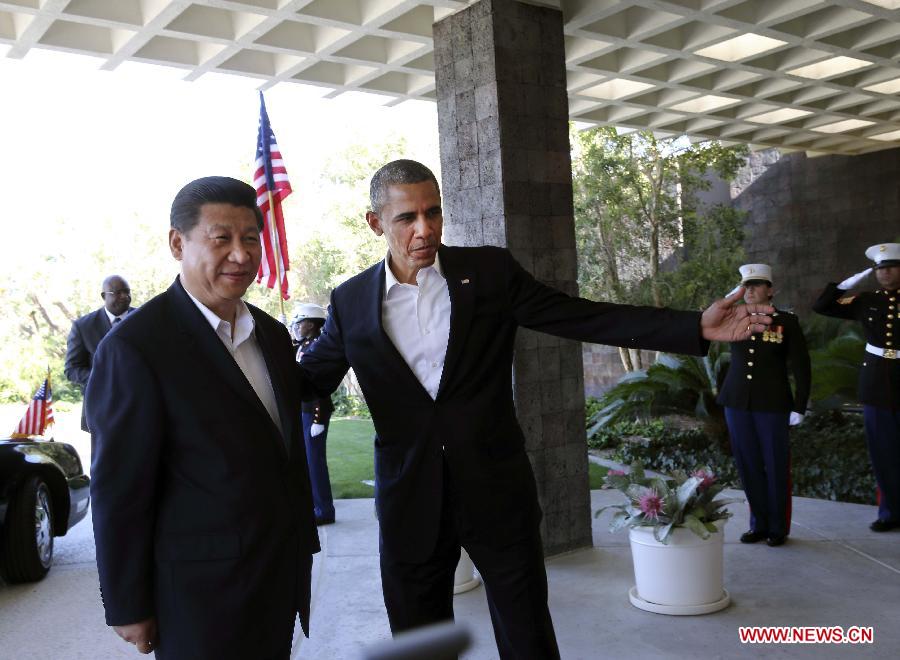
820 76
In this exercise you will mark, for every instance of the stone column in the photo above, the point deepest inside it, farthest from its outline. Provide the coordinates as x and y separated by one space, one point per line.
507 181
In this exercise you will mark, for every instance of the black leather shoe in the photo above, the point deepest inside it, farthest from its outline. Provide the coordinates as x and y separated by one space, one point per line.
774 541
752 537
884 525
324 521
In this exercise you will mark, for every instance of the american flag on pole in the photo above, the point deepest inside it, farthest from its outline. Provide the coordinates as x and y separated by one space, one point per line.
272 186
39 414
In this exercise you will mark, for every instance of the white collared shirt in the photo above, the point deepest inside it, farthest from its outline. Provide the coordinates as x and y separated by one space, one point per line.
246 352
112 317
417 320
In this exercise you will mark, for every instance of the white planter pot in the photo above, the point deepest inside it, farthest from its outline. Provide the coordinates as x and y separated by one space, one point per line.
683 577
465 578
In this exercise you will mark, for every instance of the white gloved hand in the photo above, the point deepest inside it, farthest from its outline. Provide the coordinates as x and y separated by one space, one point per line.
733 291
796 418
316 429
853 280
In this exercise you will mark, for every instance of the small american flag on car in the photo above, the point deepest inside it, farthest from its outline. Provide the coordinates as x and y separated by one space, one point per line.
39 414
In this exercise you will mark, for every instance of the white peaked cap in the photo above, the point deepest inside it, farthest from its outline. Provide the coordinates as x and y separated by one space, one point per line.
308 311
884 252
756 272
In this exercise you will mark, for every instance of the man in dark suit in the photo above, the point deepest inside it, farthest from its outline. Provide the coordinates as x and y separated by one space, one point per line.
88 330
201 501
429 333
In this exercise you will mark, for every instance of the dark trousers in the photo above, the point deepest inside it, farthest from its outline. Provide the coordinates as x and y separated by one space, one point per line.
762 453
323 502
883 439
515 581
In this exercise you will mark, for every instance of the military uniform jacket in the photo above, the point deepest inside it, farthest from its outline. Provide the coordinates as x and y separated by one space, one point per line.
879 378
321 407
757 377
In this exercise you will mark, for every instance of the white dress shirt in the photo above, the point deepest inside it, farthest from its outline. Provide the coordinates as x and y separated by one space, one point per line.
246 352
113 318
417 320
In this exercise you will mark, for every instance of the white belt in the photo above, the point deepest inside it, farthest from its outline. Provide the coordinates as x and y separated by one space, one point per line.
889 353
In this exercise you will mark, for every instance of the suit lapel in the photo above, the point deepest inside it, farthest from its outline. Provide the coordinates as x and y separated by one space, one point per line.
277 378
203 341
461 286
392 358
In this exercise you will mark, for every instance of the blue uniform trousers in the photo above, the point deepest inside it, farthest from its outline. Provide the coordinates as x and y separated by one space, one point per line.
762 453
883 438
318 468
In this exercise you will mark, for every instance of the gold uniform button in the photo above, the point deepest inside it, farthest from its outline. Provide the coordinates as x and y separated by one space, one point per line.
749 364
888 334
890 316
892 299
749 376
870 318
753 337
887 343
752 350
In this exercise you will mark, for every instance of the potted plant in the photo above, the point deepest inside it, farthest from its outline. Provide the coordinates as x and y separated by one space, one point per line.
675 529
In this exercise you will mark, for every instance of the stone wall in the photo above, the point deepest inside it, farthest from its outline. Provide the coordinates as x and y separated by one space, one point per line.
811 219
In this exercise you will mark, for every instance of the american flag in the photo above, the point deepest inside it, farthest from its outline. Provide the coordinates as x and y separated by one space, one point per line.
271 177
39 414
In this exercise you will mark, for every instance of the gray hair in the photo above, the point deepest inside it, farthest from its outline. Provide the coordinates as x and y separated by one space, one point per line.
397 172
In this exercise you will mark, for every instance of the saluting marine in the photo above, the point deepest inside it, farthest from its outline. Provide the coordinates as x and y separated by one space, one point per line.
879 378
307 326
759 408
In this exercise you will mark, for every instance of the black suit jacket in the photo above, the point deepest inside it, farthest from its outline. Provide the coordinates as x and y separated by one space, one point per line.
758 374
879 378
84 337
472 423
202 510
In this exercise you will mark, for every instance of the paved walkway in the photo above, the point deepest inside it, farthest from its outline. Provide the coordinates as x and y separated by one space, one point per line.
832 572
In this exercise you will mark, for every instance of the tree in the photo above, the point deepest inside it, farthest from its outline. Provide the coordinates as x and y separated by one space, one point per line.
636 212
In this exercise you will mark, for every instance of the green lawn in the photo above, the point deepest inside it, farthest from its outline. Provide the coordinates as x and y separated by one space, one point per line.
351 459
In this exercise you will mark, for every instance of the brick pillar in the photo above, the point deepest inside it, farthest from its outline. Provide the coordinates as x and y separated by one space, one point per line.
507 181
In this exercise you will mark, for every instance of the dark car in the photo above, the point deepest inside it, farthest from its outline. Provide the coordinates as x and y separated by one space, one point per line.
43 493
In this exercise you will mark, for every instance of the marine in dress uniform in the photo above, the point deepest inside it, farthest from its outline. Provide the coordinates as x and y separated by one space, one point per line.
307 324
879 378
760 407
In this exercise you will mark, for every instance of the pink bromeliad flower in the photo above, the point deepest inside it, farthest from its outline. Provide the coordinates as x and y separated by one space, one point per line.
707 479
616 473
650 503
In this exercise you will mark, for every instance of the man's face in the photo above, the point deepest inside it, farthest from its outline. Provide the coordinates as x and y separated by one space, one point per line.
888 277
757 293
411 221
219 256
116 295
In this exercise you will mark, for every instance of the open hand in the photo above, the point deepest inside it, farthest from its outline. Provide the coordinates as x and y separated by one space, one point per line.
727 321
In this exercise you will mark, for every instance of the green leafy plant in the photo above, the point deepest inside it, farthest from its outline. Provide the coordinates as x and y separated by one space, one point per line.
664 503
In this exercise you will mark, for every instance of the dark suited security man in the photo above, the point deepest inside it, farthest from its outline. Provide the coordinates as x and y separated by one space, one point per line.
429 332
879 378
760 409
202 508
88 330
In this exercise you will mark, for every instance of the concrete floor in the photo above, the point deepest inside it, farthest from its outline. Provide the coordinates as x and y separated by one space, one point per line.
832 572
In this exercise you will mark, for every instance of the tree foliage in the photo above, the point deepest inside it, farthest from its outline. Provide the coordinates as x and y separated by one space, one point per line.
643 235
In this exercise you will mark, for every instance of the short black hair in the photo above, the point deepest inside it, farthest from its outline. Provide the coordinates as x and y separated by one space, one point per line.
211 190
397 172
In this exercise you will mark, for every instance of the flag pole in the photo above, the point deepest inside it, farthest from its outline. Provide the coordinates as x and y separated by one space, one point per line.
275 243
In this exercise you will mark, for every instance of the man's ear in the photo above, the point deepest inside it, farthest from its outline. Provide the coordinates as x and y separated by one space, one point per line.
176 243
374 223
